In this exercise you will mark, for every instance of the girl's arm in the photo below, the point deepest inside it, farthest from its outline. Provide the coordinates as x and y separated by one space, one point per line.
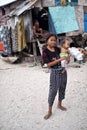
50 64
46 59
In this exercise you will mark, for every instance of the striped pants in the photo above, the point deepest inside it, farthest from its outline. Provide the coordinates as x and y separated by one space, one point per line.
58 83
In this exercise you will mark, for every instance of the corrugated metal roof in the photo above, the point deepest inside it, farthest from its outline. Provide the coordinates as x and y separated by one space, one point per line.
6 2
22 8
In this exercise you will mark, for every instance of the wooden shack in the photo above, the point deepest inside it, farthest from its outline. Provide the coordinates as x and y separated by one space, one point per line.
13 12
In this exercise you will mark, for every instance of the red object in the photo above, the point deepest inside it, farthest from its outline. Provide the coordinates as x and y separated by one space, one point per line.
1 46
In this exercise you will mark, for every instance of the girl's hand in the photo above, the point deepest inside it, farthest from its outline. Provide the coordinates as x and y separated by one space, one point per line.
65 58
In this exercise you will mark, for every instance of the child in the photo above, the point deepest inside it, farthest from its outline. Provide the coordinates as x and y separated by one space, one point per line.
58 80
38 32
65 45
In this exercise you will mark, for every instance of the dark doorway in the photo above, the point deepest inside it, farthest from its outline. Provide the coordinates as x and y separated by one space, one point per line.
42 16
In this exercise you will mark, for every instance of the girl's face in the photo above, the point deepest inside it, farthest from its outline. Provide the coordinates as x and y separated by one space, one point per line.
52 41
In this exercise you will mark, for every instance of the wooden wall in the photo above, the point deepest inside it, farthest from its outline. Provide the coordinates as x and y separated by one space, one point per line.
48 3
8 9
82 2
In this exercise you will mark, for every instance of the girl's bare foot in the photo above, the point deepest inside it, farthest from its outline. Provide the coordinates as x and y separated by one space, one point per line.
62 108
48 115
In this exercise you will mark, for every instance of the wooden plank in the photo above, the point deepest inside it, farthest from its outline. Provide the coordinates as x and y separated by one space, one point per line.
47 3
40 46
82 2
34 53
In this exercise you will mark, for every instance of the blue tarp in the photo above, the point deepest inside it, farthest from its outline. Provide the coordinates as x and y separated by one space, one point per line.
51 25
62 19
85 22
57 1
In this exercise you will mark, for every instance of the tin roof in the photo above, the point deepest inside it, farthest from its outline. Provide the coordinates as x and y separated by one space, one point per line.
6 2
23 7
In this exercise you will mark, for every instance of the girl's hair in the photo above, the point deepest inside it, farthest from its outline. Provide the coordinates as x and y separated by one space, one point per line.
49 36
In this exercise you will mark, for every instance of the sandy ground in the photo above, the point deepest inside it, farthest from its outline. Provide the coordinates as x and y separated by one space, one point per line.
24 94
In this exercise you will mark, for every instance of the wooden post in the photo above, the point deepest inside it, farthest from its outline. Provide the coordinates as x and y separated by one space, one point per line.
34 53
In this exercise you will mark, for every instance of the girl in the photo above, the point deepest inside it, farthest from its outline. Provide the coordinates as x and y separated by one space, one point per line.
58 80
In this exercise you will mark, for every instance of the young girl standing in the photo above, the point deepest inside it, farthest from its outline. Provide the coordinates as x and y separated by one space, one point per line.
58 80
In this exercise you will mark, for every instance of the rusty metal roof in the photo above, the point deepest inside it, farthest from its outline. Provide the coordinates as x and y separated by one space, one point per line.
23 7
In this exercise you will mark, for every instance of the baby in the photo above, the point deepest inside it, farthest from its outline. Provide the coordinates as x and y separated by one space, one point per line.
65 45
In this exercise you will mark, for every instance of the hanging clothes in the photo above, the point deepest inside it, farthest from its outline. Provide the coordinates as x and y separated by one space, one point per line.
63 2
9 39
3 37
21 35
1 46
14 40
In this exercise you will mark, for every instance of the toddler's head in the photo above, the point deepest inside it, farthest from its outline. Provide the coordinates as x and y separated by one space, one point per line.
66 42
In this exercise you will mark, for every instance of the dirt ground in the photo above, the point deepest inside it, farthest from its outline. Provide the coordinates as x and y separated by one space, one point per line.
24 95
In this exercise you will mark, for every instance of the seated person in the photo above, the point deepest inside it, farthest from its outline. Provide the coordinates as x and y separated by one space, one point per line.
77 52
38 32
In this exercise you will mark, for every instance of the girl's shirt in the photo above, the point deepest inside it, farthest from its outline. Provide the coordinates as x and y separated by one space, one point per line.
49 56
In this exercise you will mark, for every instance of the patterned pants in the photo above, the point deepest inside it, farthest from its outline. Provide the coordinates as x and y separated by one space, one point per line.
58 83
